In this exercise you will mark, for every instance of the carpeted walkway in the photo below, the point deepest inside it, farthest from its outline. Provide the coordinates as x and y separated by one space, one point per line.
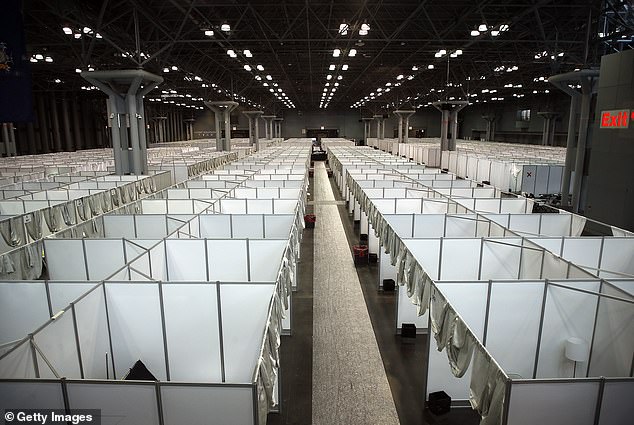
349 382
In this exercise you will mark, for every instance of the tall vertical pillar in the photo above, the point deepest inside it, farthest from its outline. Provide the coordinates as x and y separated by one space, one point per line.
4 139
490 133
367 123
453 121
449 111
254 117
57 138
190 128
79 143
222 110
588 80
268 126
125 108
12 147
278 127
30 138
403 124
68 138
380 126
548 134
42 122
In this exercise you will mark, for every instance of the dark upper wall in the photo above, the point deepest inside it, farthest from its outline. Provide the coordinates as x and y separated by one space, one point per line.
427 118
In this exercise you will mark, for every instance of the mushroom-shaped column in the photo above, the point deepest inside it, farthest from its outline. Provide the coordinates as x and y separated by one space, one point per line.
449 110
254 130
588 79
380 126
268 126
223 108
367 127
189 122
278 127
548 135
403 124
125 89
490 119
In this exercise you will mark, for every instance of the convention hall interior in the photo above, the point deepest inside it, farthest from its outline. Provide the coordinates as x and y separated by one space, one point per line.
296 212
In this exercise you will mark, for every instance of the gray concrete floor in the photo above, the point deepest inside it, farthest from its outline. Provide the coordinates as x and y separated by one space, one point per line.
402 360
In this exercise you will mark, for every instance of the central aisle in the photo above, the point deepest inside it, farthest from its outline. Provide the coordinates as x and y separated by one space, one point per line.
349 382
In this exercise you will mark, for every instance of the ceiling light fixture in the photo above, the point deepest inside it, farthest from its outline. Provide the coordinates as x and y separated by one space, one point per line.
352 53
225 27
475 33
247 53
344 67
67 30
343 29
336 53
482 27
209 33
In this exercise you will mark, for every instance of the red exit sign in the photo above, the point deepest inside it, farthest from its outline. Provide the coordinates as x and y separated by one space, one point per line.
619 118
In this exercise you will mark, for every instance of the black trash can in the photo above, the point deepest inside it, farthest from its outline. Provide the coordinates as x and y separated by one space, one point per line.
439 403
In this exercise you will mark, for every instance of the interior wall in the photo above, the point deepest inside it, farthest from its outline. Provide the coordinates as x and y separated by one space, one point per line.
346 121
505 124
610 197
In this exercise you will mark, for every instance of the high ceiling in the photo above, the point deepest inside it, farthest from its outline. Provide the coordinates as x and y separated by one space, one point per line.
519 41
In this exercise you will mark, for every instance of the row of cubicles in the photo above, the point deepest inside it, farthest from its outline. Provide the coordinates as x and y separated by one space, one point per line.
530 169
193 279
532 322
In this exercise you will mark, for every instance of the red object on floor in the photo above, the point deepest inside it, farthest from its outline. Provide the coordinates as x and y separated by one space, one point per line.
360 254
309 220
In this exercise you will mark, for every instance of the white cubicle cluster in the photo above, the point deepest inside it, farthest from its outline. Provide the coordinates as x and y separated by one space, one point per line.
197 288
537 170
535 321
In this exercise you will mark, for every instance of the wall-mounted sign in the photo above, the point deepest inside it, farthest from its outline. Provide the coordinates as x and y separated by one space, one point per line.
619 118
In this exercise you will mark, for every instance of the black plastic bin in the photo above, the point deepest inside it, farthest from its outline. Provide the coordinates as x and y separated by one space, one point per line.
439 403
360 254
309 221
389 284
